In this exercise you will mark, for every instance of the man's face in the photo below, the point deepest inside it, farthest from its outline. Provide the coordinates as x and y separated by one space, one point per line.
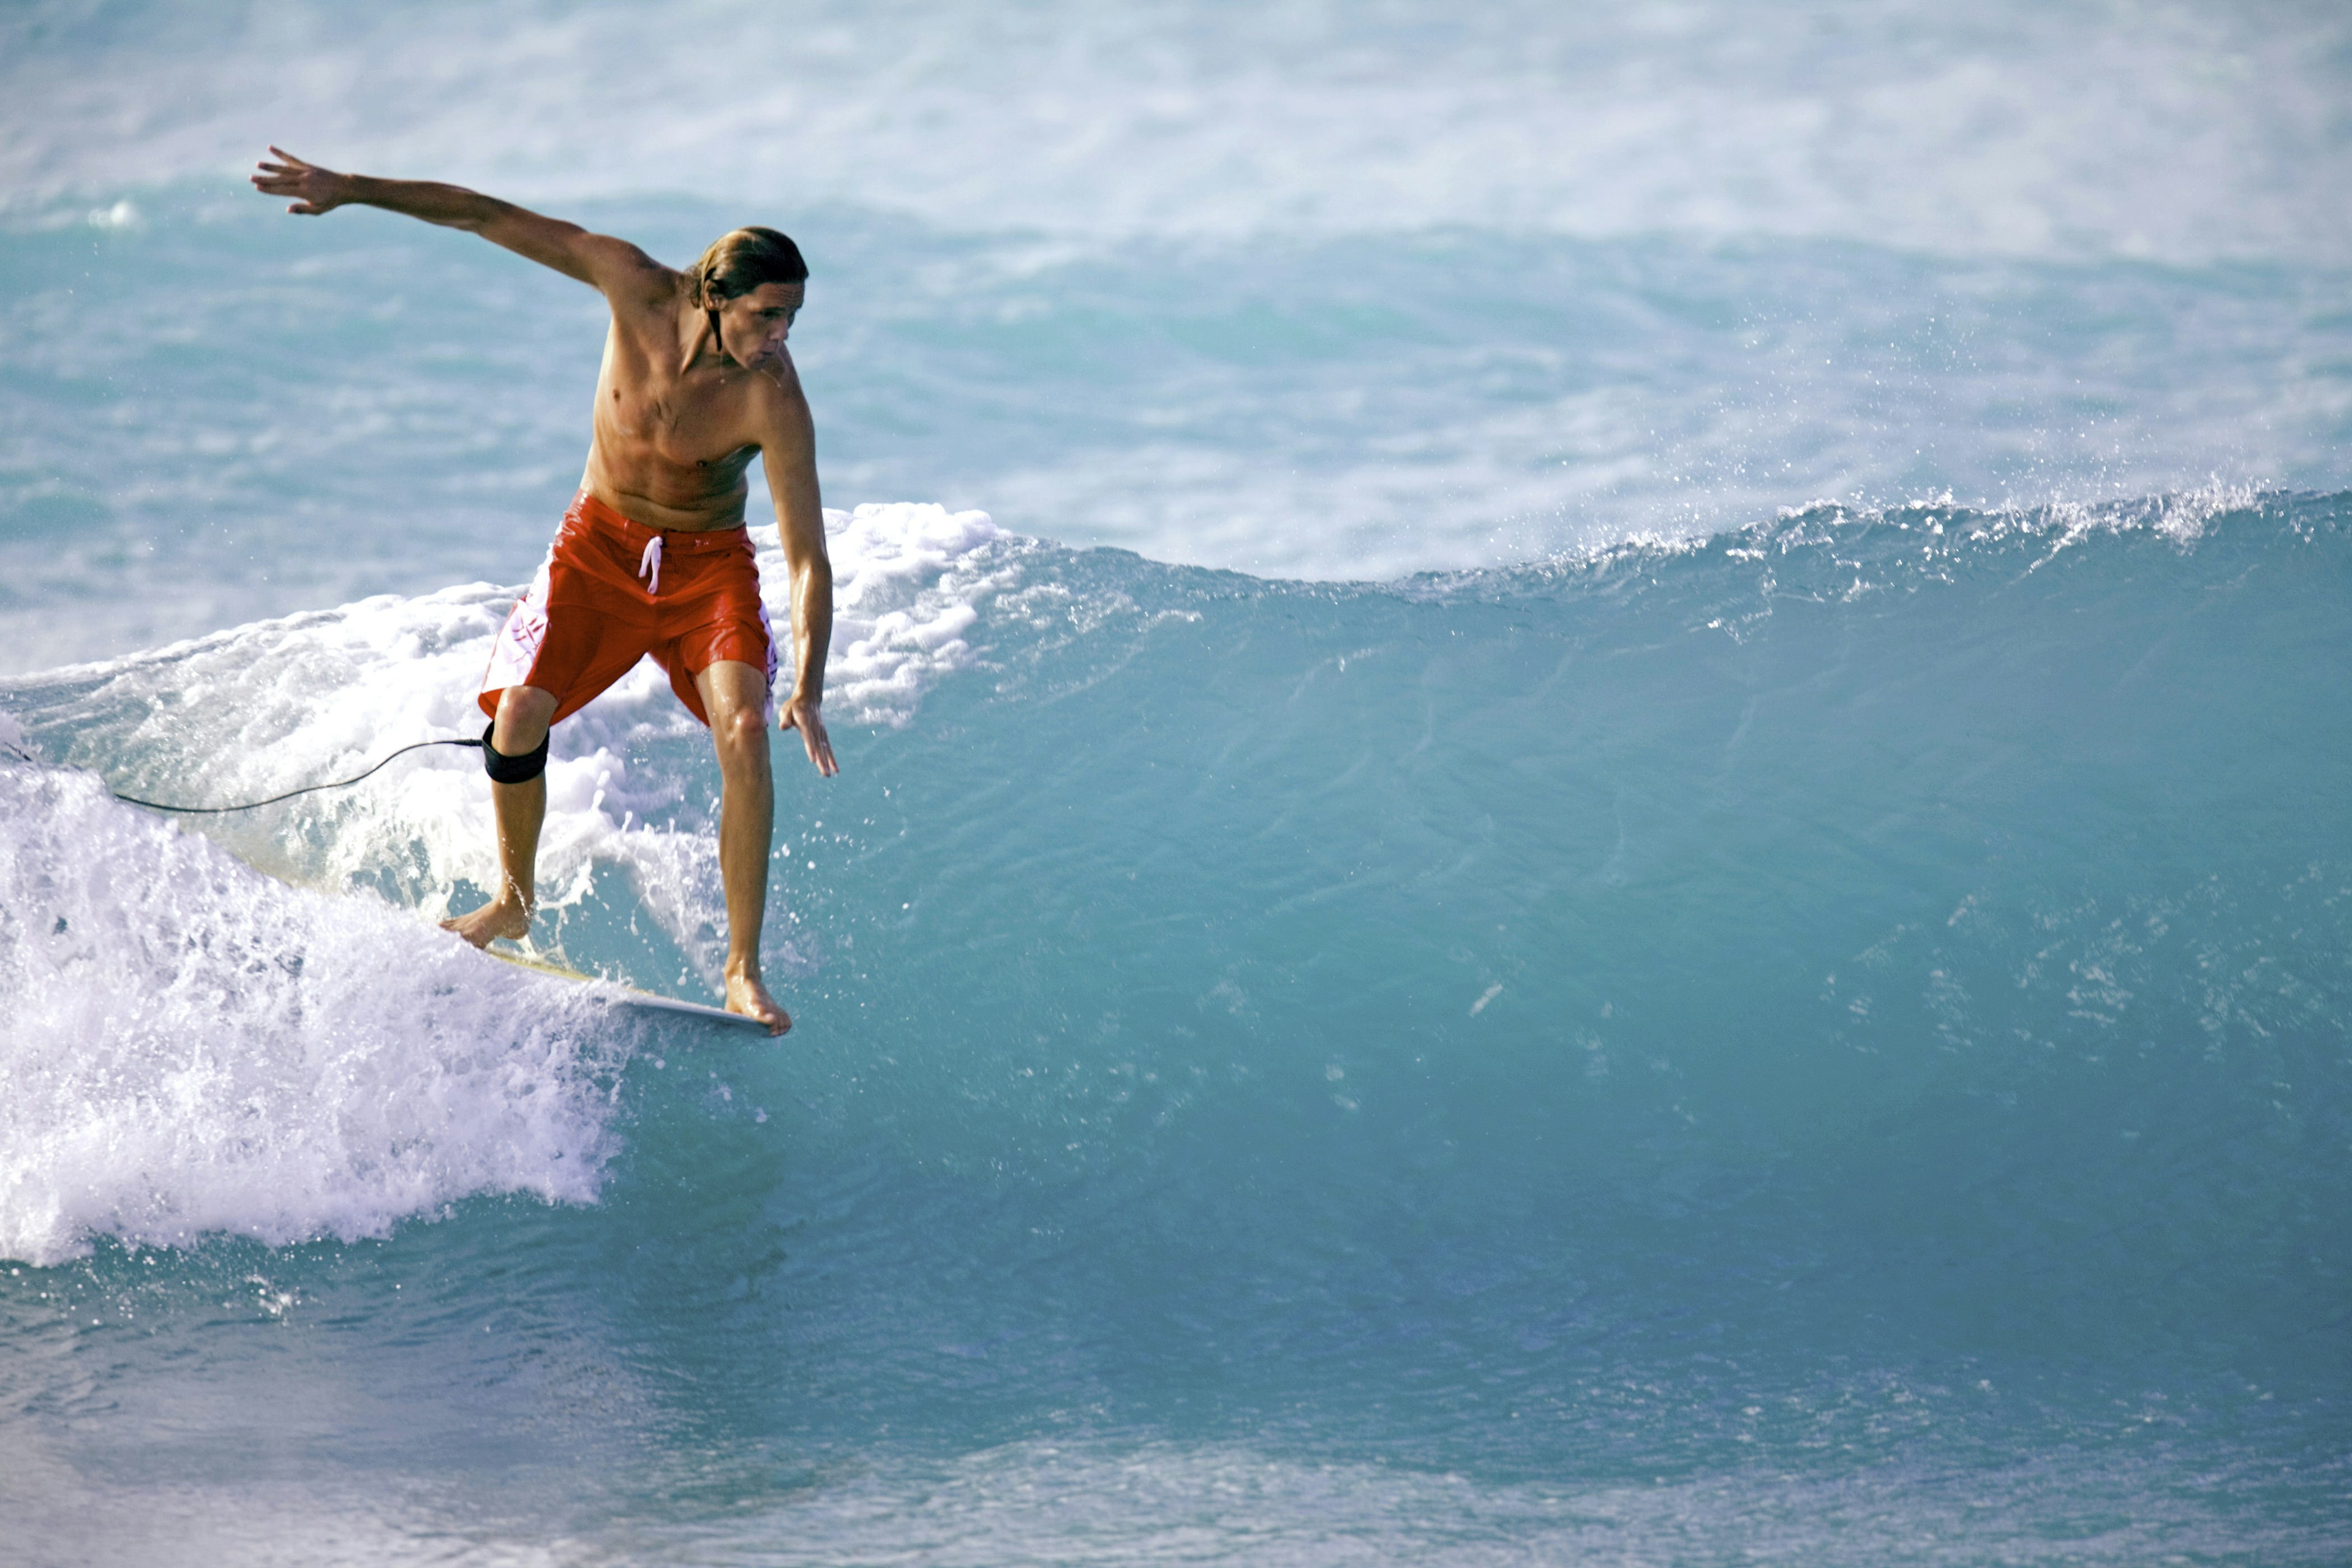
758 322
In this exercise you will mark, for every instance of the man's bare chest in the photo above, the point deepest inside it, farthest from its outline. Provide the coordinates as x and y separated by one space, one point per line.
683 418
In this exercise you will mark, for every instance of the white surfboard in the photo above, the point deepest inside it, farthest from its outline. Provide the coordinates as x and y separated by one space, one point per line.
626 997
629 997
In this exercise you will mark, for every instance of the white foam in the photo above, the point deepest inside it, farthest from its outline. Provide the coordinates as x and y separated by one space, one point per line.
190 1048
908 582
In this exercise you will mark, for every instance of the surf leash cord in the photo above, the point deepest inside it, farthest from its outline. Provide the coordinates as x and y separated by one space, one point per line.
289 794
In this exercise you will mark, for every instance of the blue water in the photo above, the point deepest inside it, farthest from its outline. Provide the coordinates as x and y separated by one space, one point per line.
1540 857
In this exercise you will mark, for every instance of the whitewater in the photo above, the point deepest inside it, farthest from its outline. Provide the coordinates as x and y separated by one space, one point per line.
1591 802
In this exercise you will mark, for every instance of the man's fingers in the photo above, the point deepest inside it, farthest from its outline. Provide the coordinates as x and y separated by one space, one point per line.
813 737
284 180
290 178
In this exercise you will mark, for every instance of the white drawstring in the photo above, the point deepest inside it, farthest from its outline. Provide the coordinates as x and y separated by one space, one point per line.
650 563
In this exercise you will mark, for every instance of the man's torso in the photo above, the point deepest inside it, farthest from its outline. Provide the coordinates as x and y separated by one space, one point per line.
671 443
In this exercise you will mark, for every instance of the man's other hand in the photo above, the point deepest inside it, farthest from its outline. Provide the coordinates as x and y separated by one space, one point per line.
800 713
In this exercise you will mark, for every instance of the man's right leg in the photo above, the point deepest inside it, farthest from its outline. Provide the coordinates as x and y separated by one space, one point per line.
524 714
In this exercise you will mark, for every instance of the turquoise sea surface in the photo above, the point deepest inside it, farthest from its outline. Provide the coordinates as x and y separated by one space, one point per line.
1593 802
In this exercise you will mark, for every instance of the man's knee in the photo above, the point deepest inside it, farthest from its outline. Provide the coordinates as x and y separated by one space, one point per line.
514 746
741 735
525 714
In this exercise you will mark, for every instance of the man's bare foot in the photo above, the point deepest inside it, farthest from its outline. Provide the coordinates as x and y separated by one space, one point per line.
746 995
491 921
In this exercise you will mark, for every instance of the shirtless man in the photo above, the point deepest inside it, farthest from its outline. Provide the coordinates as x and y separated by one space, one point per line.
652 556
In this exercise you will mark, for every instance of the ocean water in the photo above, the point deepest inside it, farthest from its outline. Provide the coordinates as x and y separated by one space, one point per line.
1592 803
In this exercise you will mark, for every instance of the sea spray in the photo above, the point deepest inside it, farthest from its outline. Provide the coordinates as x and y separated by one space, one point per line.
190 1048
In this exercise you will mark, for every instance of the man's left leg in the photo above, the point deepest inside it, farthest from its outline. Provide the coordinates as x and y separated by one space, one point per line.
735 695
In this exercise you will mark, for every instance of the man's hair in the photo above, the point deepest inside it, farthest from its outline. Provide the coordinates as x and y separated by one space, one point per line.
739 262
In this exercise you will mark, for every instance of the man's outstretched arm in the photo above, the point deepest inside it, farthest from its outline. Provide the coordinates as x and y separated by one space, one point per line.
598 260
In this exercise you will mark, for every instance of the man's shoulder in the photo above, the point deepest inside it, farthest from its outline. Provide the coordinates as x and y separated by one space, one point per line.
631 277
782 378
776 393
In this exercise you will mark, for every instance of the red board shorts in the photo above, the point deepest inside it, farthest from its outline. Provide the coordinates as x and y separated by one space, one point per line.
611 590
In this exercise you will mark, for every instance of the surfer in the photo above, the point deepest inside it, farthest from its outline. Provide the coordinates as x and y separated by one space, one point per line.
652 557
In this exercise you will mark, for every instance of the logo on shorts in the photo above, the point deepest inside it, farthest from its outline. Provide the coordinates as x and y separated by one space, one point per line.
527 628
517 648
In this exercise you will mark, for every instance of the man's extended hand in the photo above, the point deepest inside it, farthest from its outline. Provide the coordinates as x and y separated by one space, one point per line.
315 190
800 713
